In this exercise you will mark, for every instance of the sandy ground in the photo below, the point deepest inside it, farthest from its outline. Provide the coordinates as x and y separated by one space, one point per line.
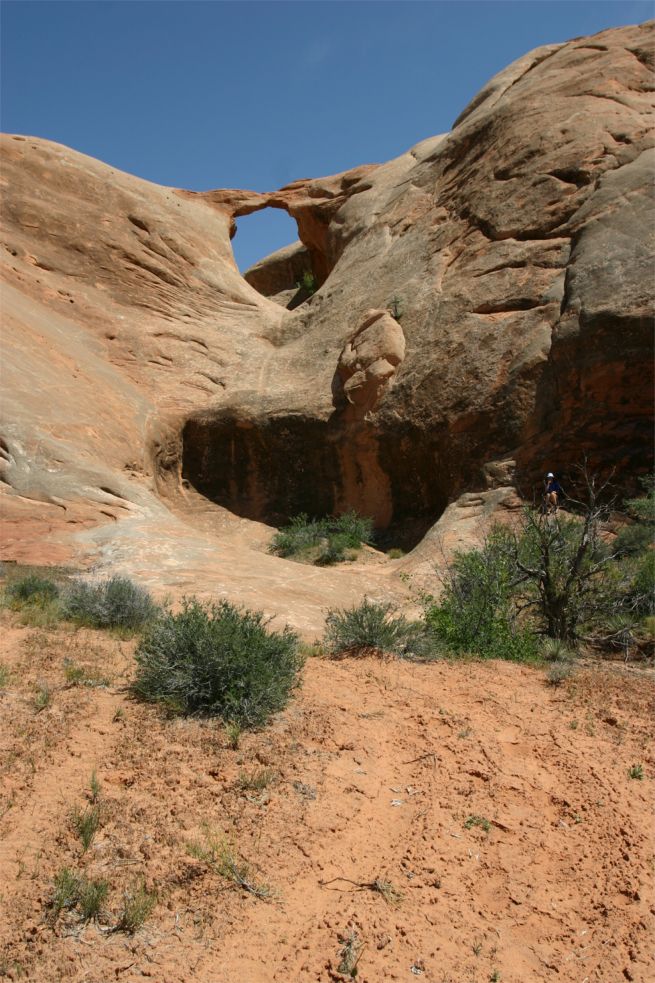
371 775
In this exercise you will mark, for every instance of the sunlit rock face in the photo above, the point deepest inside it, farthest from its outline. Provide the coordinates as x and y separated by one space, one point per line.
486 297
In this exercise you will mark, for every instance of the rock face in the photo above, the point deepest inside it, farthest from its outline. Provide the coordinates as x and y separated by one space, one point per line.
515 254
370 359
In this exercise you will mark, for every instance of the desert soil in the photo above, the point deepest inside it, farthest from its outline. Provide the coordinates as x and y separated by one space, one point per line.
376 772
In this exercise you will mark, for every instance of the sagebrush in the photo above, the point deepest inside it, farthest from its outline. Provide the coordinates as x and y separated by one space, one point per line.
218 660
114 603
376 627
476 612
32 589
322 541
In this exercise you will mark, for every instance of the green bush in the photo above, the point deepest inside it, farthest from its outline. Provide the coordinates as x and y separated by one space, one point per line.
642 509
65 891
633 539
93 895
476 613
372 627
32 589
334 549
113 603
71 890
138 905
641 591
322 541
215 659
555 576
308 282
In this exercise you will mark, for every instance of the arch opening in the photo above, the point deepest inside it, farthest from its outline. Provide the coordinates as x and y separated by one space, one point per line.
271 257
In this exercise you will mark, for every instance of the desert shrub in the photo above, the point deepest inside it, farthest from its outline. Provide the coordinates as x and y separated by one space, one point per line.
642 509
31 589
333 549
86 824
476 613
218 660
376 627
308 282
559 672
138 904
301 534
640 594
568 576
323 541
65 891
553 575
114 603
215 850
356 529
633 539
92 896
554 650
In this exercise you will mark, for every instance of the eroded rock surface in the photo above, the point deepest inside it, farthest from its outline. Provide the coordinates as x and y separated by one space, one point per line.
517 252
370 358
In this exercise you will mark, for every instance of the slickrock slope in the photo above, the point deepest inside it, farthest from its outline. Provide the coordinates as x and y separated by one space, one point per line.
508 270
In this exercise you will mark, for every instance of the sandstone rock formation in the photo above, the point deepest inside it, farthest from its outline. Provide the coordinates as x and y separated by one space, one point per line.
370 358
139 364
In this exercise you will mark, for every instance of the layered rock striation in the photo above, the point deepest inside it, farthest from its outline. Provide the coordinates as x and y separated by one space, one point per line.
485 297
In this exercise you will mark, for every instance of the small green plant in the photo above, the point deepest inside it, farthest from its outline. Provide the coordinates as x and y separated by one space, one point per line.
395 553
477 948
218 660
73 674
477 821
115 603
322 541
65 892
76 675
555 650
257 781
495 976
395 307
372 627
138 905
42 696
218 853
307 282
32 589
92 896
94 787
233 732
636 771
351 951
311 650
45 615
4 675
558 673
86 823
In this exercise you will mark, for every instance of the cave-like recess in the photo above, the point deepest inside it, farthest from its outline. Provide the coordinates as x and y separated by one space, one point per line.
278 467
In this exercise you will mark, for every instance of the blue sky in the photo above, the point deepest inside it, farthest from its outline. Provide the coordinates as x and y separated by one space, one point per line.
256 94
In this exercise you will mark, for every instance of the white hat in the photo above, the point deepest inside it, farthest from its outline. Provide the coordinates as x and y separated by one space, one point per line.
550 475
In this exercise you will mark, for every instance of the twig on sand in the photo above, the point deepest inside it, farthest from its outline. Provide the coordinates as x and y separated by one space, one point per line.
422 757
